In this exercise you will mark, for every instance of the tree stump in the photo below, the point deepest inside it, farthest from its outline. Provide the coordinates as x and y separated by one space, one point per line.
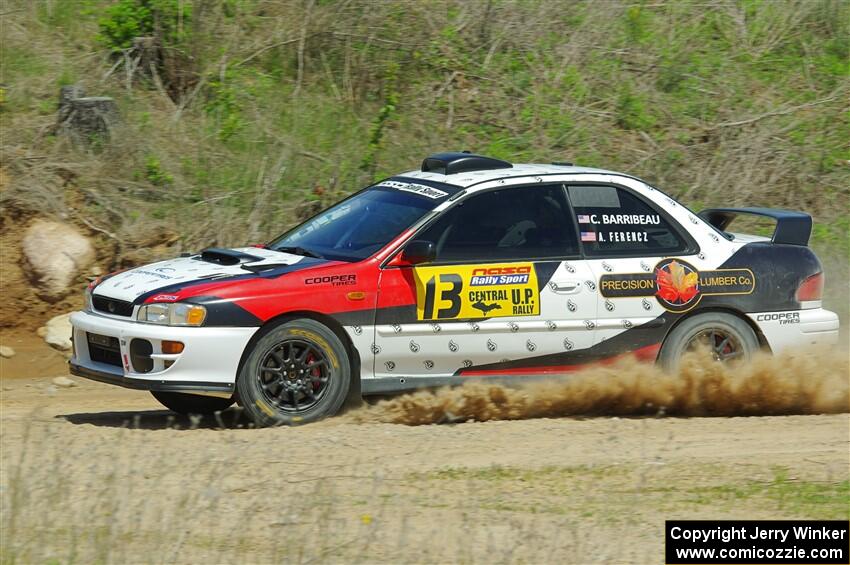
66 94
86 119
146 53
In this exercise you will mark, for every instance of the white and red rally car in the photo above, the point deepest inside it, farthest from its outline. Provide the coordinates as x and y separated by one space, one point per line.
470 267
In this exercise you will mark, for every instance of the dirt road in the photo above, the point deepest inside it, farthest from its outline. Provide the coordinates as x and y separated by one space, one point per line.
98 473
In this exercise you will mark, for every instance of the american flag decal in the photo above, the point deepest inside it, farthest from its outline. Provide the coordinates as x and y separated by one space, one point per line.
588 236
583 219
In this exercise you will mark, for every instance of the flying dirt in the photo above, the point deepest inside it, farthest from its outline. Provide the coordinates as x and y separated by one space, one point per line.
806 382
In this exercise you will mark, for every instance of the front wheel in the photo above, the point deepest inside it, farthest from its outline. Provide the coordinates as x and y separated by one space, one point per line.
297 372
725 337
183 403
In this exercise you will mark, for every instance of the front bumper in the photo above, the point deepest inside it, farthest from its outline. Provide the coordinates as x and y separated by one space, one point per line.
797 328
208 362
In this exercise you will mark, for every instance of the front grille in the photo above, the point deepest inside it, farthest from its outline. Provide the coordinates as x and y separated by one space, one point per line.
112 306
104 349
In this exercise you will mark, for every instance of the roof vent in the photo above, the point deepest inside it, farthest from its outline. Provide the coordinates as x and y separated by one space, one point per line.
562 163
455 162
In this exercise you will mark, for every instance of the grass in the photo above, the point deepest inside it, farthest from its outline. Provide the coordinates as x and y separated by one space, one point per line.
816 500
619 488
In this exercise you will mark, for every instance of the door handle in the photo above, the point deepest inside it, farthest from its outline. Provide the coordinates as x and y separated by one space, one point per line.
565 287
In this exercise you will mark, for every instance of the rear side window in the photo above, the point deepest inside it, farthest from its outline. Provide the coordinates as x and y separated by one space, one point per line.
613 221
511 224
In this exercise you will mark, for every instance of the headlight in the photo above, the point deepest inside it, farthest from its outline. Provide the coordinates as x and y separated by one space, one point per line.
172 314
88 307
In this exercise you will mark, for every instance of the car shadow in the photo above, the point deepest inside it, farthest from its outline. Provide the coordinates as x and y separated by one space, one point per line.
232 418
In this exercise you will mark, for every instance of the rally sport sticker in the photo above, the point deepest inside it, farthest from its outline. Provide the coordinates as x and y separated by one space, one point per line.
476 291
677 285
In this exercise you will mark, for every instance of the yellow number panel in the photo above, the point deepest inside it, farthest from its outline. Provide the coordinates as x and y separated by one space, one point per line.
476 291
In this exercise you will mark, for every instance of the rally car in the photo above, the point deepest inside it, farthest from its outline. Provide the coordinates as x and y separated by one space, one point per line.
468 268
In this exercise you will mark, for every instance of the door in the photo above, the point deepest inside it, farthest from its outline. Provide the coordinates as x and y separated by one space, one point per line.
626 239
506 294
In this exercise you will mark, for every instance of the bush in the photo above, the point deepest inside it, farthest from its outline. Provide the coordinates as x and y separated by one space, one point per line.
128 19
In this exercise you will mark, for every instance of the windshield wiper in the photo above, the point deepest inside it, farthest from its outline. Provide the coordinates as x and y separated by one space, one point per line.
297 250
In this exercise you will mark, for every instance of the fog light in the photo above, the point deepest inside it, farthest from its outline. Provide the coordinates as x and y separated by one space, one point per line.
172 347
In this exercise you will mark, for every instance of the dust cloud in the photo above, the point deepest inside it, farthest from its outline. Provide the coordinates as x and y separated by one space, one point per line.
803 382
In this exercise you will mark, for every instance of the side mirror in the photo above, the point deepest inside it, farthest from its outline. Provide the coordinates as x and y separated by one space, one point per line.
419 251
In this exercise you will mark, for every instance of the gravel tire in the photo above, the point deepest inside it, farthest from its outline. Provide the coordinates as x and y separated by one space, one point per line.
297 372
729 337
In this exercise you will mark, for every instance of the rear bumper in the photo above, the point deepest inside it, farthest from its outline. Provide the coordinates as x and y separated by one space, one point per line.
797 328
208 362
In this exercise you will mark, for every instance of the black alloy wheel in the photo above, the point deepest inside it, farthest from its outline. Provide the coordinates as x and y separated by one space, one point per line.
295 372
727 337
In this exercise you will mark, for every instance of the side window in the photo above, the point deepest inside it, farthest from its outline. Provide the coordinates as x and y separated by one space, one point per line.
613 221
505 225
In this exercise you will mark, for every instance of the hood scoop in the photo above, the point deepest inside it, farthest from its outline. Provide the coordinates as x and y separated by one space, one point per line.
221 256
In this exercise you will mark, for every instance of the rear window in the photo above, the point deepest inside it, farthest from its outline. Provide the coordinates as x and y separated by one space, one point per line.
613 221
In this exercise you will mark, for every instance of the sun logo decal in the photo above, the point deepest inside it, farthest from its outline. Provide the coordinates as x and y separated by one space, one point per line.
677 283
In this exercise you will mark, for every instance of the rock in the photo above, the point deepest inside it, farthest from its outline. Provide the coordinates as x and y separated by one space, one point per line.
58 332
54 254
41 332
64 382
6 352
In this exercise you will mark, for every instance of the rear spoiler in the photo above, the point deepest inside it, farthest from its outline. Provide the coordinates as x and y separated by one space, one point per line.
793 228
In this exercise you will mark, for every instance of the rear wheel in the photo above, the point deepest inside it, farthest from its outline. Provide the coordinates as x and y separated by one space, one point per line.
297 372
725 337
183 403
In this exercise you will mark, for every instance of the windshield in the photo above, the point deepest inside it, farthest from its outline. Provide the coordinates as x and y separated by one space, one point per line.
358 227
